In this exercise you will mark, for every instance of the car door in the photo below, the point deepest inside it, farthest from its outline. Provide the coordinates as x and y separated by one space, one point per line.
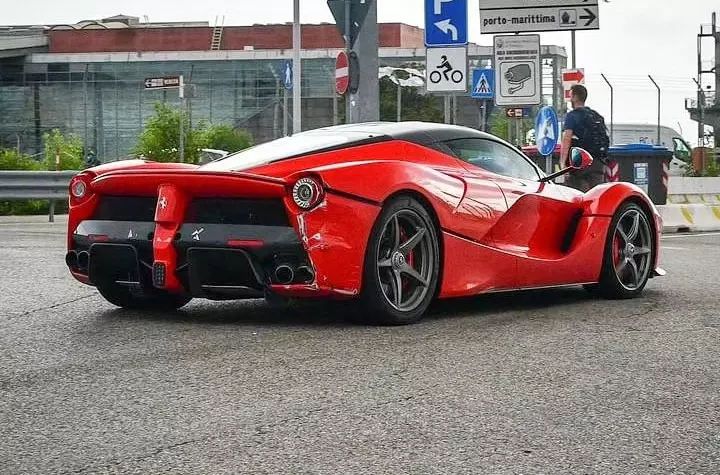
538 213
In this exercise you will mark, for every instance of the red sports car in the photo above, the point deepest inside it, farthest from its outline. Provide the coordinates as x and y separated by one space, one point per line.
392 214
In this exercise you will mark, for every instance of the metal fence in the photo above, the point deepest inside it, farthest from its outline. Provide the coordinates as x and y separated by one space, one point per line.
36 185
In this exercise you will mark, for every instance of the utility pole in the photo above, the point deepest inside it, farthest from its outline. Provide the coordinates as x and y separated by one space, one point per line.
348 95
612 104
658 110
701 108
297 69
182 119
701 98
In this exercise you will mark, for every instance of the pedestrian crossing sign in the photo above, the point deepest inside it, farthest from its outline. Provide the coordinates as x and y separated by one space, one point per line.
483 85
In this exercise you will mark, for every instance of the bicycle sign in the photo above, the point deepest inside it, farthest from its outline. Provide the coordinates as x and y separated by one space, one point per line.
446 69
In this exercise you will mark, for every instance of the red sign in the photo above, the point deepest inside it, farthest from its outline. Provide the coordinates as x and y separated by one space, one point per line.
342 73
574 75
570 77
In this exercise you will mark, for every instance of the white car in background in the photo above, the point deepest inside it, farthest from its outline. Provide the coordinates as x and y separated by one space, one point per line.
208 155
647 133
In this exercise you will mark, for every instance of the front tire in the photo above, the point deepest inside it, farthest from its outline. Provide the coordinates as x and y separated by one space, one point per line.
126 297
629 254
402 264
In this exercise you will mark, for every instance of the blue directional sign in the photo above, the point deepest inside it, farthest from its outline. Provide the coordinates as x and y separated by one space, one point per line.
547 130
286 73
446 22
483 84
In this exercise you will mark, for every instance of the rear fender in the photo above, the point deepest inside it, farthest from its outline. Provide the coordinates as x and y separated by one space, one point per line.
375 181
605 199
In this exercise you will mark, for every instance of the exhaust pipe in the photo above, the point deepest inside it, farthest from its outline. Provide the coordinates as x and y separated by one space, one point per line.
284 274
306 274
83 258
71 259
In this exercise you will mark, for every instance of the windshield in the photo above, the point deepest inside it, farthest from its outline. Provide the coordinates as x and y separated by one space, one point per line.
280 149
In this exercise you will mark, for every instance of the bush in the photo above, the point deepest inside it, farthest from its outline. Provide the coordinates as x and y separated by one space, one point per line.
160 141
12 160
225 137
70 149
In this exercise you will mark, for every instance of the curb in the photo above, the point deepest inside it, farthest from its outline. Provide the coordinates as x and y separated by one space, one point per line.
690 217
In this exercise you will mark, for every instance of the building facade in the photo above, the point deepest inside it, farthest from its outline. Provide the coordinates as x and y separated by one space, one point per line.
88 79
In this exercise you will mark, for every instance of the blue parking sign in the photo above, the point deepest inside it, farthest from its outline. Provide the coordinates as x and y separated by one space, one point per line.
446 22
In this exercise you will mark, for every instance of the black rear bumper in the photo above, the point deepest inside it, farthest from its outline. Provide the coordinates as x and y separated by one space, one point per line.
215 261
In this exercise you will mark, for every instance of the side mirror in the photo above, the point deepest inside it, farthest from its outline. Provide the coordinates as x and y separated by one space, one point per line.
580 158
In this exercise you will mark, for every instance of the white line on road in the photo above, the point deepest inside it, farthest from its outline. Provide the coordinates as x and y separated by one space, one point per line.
678 236
664 248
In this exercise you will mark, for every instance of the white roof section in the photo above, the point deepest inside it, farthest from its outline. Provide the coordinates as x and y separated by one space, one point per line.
249 54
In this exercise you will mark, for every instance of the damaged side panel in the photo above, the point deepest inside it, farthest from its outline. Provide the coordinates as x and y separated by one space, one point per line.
335 236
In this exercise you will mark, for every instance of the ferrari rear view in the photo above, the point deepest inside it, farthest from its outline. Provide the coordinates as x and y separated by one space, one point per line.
155 238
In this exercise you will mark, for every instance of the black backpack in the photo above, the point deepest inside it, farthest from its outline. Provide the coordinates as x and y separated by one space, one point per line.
595 139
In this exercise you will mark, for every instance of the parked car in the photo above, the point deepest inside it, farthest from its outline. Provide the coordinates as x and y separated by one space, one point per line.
395 215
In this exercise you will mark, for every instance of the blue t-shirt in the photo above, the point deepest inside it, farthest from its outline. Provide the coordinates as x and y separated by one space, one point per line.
575 121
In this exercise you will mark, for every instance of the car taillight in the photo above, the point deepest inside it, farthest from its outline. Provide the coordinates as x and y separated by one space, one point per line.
79 188
307 193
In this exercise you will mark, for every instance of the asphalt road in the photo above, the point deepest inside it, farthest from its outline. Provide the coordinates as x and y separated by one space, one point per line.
537 383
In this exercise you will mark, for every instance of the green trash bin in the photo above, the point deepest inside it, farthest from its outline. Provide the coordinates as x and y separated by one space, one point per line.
645 165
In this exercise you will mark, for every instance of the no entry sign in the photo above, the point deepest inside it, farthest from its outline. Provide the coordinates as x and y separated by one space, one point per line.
342 73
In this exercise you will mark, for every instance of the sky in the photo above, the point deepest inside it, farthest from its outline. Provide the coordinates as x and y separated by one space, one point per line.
636 38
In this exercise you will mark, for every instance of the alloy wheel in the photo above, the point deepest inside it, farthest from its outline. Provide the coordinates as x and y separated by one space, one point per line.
632 249
406 260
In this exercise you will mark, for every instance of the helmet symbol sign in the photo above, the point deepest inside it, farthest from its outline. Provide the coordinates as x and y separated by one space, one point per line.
446 69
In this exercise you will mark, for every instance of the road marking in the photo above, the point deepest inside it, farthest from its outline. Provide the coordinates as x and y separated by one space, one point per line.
663 248
677 236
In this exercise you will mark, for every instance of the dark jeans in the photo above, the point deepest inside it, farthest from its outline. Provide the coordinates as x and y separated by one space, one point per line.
585 180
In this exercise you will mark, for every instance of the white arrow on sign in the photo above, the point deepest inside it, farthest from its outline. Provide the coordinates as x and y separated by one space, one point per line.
438 5
445 26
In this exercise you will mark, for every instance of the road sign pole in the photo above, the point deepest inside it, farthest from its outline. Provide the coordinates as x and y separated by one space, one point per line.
348 101
483 115
446 98
182 120
399 101
297 83
572 48
285 107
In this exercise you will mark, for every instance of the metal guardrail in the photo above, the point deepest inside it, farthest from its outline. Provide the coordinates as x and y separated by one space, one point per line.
17 185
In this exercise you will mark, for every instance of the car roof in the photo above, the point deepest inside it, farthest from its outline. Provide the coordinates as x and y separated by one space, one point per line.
421 133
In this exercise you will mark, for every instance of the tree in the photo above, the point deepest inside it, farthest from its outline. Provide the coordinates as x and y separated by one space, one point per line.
499 125
160 141
225 137
69 148
415 106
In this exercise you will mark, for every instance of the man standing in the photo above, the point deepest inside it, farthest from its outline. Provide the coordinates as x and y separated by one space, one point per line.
584 128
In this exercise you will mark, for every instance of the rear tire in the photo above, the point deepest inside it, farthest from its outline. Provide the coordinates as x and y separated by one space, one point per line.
402 264
126 297
629 254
